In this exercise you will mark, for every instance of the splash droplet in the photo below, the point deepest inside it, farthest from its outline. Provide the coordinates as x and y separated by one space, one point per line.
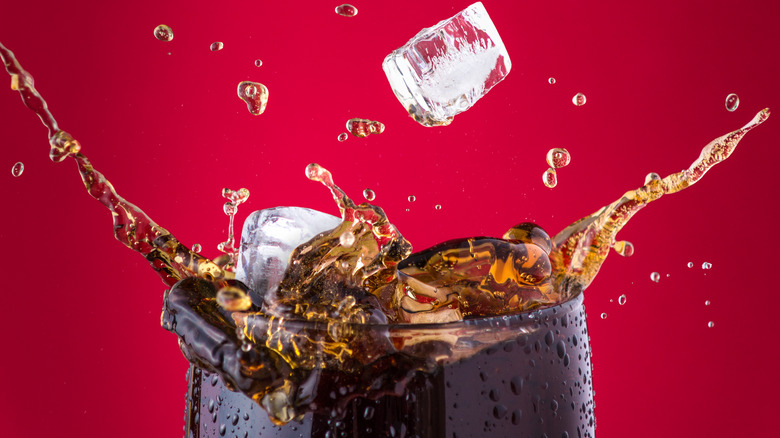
258 62
254 94
622 299
558 157
706 265
363 127
196 247
604 315
707 303
690 264
216 46
624 248
579 99
14 81
347 239
412 198
550 178
343 136
346 10
652 176
163 33
711 324
732 102
17 169
655 277
551 81
369 195
438 206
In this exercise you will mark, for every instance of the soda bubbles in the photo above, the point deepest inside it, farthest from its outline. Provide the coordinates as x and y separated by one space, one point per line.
216 46
369 195
163 32
17 169
346 10
558 157
579 99
655 277
550 178
254 94
343 136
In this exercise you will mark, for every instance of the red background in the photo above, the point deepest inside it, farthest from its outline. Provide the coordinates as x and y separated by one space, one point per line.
83 351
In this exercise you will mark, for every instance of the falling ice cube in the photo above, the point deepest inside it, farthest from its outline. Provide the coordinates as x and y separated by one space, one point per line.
267 240
445 69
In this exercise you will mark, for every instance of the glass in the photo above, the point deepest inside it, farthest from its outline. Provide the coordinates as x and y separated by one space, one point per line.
526 374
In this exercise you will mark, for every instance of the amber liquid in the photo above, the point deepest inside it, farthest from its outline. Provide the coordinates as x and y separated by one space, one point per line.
538 382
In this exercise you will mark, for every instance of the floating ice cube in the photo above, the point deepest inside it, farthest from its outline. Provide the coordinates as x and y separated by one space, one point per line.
268 238
445 69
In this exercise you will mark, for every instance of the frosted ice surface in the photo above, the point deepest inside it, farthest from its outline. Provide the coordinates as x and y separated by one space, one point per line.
268 238
445 69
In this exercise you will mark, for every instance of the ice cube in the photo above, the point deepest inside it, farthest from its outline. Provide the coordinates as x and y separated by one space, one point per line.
445 69
268 238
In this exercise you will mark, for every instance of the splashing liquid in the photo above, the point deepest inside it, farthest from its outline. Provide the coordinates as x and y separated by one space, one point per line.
235 198
363 127
374 279
254 94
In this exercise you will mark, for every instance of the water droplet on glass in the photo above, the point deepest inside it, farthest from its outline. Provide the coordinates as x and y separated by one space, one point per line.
196 247
624 248
550 178
652 176
551 81
604 315
622 299
706 265
655 276
711 324
579 99
690 264
258 62
17 169
369 194
558 157
254 94
732 102
412 198
163 33
216 46
346 10
347 239
438 206
707 302
363 127
343 136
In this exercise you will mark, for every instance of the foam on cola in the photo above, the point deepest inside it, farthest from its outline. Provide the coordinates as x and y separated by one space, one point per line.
276 348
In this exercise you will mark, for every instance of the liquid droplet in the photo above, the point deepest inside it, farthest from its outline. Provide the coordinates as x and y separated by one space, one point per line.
624 248
622 299
254 94
258 62
347 239
707 303
17 169
438 206
346 10
732 102
655 277
412 198
579 99
690 264
196 247
604 315
343 136
652 176
558 157
163 33
363 127
550 178
216 46
706 265
711 324
551 81
369 195
15 82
